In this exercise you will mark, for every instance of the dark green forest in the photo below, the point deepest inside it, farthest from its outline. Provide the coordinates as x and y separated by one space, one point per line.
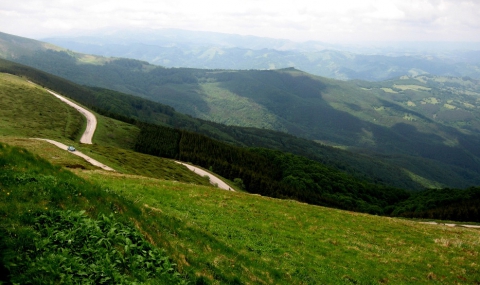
270 173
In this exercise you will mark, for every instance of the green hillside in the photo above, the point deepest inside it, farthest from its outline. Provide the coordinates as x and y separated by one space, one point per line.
30 112
47 236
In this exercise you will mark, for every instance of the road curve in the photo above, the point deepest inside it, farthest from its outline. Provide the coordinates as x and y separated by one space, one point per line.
91 120
213 179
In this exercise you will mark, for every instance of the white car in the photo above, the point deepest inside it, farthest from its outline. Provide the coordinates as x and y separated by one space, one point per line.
71 148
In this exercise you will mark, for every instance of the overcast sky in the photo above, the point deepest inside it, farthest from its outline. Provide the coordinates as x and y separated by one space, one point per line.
299 20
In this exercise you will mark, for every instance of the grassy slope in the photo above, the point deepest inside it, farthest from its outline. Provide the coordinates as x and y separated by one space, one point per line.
28 111
31 112
223 235
62 252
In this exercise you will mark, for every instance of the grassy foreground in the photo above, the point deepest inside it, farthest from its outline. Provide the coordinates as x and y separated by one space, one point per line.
223 237
238 238
57 228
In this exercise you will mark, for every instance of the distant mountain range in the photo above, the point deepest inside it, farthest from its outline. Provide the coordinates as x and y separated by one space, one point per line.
179 48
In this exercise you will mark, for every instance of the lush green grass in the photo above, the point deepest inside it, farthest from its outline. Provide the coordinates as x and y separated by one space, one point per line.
49 152
236 237
130 162
115 133
42 243
123 161
32 112
68 247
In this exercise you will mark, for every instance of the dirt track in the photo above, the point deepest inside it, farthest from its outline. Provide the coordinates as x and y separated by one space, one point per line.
451 225
91 120
88 135
84 156
213 179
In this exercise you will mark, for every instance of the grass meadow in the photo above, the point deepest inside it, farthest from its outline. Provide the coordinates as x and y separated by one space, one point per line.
232 237
29 111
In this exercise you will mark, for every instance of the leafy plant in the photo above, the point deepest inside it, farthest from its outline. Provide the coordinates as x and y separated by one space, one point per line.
69 247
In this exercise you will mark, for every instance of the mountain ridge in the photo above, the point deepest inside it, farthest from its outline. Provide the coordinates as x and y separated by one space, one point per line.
179 48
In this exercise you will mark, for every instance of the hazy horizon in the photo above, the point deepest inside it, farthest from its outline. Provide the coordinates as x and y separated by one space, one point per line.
341 21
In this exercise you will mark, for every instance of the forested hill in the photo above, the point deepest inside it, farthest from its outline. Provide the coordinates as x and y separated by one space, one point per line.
134 110
404 124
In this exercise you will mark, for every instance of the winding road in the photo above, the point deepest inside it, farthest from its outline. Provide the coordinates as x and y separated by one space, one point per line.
88 135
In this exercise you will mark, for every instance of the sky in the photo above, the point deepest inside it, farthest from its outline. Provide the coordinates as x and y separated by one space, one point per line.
298 20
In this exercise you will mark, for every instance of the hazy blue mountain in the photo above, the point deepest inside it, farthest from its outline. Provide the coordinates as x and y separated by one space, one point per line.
373 62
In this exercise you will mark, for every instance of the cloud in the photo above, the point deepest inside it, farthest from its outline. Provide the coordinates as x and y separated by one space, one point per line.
339 20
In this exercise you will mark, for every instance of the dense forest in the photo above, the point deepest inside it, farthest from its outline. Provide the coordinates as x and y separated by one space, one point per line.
270 173
442 204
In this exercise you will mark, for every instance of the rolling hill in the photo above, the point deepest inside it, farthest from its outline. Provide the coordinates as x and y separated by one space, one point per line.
349 115
134 109
200 235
